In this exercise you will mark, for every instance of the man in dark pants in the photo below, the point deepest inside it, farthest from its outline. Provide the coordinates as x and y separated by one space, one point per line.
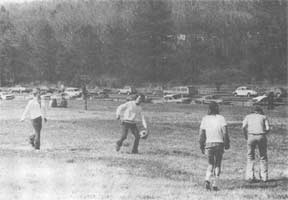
131 111
37 111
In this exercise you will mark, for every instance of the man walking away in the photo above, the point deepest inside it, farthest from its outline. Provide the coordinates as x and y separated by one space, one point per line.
255 127
37 111
213 138
128 113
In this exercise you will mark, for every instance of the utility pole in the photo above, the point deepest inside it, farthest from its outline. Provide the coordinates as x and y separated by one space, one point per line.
85 79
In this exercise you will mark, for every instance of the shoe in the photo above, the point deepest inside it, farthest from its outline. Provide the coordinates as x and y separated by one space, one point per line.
207 185
118 147
135 152
31 141
251 180
215 188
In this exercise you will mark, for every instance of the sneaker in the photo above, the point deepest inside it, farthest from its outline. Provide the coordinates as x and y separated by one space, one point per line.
135 152
31 141
207 185
215 188
251 180
118 147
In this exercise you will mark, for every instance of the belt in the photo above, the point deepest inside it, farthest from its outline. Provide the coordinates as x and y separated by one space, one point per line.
257 133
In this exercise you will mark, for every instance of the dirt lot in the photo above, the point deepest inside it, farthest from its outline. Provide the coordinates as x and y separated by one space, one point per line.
78 158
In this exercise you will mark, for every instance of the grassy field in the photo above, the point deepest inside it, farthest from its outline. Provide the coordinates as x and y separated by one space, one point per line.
78 160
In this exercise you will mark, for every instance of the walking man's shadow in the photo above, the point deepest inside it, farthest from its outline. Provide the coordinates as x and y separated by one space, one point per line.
281 182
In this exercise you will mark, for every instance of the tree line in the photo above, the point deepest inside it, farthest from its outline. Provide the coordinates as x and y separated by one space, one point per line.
134 41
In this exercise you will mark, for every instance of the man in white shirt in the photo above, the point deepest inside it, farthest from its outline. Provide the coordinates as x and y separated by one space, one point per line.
213 138
36 111
255 127
129 113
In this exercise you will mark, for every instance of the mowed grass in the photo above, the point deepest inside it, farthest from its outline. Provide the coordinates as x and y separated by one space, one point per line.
169 166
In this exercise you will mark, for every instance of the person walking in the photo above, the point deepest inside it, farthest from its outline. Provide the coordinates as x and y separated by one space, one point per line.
255 127
37 112
129 113
214 138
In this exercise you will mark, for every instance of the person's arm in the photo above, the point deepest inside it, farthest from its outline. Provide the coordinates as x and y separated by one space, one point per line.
266 124
202 140
143 121
27 108
226 138
44 110
119 110
244 128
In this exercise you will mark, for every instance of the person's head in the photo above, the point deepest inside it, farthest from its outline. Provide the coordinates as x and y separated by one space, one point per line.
258 110
139 99
213 108
36 92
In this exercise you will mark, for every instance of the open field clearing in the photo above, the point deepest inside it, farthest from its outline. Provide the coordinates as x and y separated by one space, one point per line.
78 160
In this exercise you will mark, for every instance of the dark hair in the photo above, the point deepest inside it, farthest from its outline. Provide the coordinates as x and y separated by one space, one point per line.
258 109
141 96
213 108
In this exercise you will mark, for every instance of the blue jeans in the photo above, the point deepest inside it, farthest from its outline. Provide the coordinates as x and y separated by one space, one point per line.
215 153
35 138
253 142
134 130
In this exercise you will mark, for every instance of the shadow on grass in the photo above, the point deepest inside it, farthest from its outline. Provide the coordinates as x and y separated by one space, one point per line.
148 168
279 183
173 152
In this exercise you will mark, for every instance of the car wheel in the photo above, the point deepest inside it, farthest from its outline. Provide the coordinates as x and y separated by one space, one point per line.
248 95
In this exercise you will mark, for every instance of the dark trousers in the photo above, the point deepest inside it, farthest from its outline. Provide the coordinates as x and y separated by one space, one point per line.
134 130
35 138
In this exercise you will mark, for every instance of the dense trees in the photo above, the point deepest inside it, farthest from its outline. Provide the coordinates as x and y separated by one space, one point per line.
157 41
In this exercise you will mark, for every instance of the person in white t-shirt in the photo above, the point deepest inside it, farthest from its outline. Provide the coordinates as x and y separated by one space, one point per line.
129 113
214 138
255 127
36 109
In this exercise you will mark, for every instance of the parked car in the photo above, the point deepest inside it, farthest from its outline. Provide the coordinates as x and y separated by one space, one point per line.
176 98
208 99
127 90
184 90
245 91
19 89
6 96
132 97
260 100
98 93
72 92
278 92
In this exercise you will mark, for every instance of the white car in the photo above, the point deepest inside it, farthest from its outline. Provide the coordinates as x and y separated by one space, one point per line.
245 91
72 92
6 96
18 89
176 98
127 90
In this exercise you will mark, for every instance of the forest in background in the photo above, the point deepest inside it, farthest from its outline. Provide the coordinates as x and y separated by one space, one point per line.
155 41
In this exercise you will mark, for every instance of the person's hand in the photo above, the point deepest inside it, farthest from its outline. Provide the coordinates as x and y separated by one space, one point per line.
45 120
227 146
203 150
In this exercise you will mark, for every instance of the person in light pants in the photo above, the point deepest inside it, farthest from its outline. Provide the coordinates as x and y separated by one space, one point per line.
214 139
255 127
37 112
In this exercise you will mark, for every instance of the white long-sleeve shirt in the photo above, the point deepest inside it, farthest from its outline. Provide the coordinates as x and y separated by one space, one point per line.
131 112
34 109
